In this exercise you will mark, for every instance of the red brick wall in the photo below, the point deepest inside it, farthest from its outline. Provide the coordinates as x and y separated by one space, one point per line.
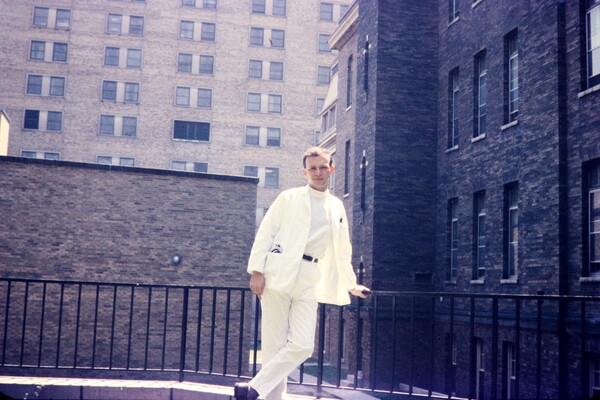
73 221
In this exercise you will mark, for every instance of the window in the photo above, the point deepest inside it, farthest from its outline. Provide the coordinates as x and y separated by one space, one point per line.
107 125
453 11
349 78
109 90
510 370
276 71
115 22
347 168
593 217
453 239
343 10
271 177
126 162
189 130
323 75
129 126
207 65
134 58
258 6
35 120
326 12
28 154
277 38
178 165
275 103
40 16
136 26
57 86
186 30
54 122
453 92
201 167
104 160
594 374
250 170
63 19
182 96
480 95
273 137
51 156
59 52
132 92
252 136
184 62
479 234
593 42
208 32
256 36
188 3
253 102
323 45
279 7
37 50
479 368
512 73
209 4
204 98
34 84
319 105
255 69
511 223
111 56
32 119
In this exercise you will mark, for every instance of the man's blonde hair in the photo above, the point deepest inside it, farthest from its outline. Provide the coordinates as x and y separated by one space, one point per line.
316 152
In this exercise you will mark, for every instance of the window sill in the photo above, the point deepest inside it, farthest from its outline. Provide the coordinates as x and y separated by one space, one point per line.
346 195
480 281
349 107
589 91
451 149
510 281
509 125
451 282
590 279
476 3
478 138
455 20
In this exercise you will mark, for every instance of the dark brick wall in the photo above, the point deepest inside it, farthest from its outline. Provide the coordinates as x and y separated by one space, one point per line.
69 221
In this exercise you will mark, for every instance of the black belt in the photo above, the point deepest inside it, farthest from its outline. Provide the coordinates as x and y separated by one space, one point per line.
309 258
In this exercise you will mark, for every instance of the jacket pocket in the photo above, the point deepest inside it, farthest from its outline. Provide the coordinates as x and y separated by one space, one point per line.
273 263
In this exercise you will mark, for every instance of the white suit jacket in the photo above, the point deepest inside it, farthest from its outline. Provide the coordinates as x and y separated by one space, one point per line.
281 240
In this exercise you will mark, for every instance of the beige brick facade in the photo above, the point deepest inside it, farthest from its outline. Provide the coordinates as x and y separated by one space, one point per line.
29 48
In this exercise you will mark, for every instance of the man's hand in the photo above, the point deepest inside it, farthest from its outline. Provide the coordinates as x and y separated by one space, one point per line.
257 283
360 291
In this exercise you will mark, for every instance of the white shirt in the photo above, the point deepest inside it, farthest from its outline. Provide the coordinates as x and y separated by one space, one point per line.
320 226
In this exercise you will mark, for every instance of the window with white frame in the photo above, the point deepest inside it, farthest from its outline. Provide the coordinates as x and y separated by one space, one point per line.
45 85
200 167
480 92
111 56
323 75
343 10
182 96
178 165
40 16
186 30
326 11
272 177
59 52
257 36
258 6
251 170
323 42
592 261
275 104
592 21
479 234
209 4
277 38
204 98
125 24
42 120
511 222
48 51
191 130
252 135
136 25
134 58
110 160
184 62
45 155
279 8
114 23
253 102
319 105
206 4
255 69
276 71
512 72
132 92
44 17
273 137
37 50
453 11
208 32
109 90
207 64
63 19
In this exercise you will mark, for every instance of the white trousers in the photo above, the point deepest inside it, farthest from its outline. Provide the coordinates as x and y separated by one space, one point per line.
288 332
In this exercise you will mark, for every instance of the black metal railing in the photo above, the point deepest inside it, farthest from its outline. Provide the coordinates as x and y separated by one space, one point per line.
433 344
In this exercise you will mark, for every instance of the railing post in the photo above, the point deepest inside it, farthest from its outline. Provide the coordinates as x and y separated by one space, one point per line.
184 322
321 350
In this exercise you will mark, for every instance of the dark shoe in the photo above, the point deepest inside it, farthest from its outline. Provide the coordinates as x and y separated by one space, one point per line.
243 391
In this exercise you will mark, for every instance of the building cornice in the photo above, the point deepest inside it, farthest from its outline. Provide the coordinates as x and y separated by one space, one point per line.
347 27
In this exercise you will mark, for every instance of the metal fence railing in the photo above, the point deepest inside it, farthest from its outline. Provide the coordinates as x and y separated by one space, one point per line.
434 344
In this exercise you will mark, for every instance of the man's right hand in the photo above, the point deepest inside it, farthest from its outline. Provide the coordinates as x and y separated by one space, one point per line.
257 283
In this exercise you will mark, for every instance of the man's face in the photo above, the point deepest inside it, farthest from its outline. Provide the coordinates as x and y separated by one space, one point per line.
317 172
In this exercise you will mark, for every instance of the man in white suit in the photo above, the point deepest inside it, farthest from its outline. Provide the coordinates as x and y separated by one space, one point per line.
301 255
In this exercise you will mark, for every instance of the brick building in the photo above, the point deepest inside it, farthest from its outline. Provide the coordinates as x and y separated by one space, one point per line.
469 134
219 86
